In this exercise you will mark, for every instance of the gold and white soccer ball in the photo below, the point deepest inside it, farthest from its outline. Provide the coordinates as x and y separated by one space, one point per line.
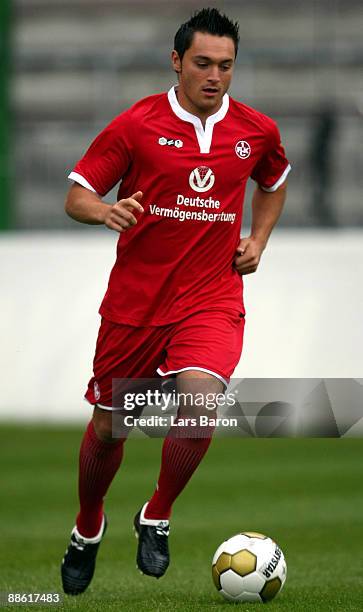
249 567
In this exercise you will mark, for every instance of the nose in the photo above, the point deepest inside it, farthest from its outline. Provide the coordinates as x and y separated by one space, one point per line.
213 74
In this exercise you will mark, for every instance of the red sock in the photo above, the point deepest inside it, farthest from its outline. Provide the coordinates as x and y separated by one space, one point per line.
180 458
98 464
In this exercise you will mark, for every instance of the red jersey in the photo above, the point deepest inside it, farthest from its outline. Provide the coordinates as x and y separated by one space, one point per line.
178 259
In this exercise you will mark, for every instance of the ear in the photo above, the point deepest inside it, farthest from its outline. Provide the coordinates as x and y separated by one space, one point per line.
176 62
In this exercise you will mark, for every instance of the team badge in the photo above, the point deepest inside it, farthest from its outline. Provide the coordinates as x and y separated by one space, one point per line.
243 149
201 179
96 391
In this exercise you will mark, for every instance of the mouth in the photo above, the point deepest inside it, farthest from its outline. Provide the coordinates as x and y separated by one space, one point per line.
210 92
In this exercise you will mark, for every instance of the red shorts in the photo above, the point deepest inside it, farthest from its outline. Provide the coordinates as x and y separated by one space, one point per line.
210 341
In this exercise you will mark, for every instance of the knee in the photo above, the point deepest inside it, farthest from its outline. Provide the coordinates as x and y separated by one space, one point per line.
102 423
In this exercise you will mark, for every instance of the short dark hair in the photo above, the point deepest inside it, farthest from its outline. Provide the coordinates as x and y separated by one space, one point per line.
208 21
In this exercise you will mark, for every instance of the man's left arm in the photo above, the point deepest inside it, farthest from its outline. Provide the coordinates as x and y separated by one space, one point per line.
266 209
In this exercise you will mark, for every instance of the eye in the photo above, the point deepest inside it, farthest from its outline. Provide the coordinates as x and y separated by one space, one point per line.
202 64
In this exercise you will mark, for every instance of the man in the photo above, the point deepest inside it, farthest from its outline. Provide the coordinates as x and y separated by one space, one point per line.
174 301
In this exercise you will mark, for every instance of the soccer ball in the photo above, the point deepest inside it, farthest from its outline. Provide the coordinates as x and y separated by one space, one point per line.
249 567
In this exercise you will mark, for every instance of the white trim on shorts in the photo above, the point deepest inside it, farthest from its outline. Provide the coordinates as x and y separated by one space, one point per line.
223 380
100 405
159 371
105 407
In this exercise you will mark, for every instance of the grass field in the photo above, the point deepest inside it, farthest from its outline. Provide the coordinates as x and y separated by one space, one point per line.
306 494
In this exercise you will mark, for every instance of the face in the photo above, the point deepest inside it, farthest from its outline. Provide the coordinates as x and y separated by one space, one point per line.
205 73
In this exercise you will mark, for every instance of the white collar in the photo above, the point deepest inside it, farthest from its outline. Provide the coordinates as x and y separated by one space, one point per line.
204 135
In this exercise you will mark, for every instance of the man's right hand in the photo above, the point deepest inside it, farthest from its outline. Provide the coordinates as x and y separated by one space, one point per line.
119 217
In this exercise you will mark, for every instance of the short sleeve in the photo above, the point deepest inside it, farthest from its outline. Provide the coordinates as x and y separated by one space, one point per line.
273 167
107 159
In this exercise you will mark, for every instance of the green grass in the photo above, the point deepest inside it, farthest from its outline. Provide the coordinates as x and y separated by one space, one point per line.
307 494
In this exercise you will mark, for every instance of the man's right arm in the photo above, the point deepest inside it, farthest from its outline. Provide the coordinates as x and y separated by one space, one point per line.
86 206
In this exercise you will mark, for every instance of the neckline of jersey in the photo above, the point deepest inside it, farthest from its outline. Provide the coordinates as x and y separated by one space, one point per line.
204 136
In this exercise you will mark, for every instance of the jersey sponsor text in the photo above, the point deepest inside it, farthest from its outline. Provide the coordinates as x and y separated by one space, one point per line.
189 215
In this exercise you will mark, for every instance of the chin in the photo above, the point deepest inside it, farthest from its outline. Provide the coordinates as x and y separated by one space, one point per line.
208 104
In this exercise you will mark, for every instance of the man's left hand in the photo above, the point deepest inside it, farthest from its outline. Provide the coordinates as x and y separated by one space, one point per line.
248 256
